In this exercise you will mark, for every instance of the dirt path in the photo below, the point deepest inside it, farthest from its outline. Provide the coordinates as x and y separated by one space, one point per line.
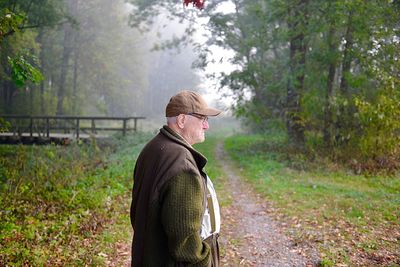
249 236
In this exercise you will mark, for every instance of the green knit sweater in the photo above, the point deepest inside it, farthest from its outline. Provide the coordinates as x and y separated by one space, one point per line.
168 204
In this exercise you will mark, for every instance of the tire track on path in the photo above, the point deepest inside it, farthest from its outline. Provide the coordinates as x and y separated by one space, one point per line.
249 236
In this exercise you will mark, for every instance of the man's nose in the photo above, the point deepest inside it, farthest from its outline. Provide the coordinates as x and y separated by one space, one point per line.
206 125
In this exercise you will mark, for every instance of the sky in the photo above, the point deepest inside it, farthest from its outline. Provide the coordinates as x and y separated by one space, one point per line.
209 87
221 57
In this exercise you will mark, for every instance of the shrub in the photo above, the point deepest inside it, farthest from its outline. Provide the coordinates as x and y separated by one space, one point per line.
379 143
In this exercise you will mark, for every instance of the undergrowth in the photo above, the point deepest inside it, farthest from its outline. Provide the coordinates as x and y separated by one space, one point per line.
56 201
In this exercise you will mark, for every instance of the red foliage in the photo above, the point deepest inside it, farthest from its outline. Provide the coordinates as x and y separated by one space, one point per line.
197 3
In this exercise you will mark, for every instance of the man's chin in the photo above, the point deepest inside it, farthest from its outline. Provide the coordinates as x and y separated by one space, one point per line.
201 140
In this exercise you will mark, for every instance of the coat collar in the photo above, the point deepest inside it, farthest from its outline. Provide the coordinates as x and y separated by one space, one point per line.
174 136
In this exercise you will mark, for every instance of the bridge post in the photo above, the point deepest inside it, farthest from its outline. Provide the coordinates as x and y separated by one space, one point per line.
124 127
31 126
77 128
93 127
14 128
135 125
47 127
63 124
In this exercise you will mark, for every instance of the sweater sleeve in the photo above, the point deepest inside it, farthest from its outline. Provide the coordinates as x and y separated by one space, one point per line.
182 212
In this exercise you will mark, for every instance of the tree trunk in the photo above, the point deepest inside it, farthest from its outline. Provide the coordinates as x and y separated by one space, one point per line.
64 68
75 73
41 99
341 122
7 96
31 93
67 49
347 57
297 58
328 119
42 60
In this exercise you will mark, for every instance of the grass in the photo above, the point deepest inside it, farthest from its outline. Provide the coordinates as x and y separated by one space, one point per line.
348 216
213 168
57 203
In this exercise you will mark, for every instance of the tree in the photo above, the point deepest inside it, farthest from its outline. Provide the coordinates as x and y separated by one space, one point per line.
297 20
307 59
9 22
72 9
18 20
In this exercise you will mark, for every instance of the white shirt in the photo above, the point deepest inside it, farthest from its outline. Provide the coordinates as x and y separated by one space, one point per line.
206 229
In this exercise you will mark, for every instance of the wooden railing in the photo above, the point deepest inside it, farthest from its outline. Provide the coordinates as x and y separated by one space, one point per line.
77 125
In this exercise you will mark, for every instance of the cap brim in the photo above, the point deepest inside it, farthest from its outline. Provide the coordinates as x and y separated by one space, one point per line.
209 112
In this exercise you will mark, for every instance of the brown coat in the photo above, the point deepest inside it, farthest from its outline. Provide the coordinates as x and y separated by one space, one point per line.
168 202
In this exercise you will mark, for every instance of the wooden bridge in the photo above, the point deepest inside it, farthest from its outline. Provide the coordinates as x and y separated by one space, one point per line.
61 129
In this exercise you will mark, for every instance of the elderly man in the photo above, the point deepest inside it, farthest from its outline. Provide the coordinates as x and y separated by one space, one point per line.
174 212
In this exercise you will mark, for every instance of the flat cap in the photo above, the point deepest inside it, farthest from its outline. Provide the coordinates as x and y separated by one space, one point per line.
187 102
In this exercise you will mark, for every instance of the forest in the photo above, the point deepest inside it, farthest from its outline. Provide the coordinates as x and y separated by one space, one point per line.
311 97
82 58
325 71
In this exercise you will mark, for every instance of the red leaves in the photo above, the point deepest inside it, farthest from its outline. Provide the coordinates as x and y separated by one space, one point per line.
197 3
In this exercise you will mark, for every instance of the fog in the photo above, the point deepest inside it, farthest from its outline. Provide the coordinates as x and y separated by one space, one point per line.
95 63
171 66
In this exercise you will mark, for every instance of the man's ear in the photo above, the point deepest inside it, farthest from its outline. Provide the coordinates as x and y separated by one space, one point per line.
180 121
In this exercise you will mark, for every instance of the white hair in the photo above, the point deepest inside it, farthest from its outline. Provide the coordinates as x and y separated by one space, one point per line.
171 120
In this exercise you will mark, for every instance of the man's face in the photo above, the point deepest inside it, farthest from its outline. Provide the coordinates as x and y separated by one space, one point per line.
195 127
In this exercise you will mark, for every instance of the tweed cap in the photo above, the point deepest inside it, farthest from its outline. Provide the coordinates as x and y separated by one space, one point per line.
187 102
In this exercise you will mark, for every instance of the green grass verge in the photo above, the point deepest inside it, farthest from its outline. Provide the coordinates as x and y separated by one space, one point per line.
213 167
57 203
346 215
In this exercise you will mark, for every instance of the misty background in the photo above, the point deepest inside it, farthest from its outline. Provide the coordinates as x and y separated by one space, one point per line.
95 63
